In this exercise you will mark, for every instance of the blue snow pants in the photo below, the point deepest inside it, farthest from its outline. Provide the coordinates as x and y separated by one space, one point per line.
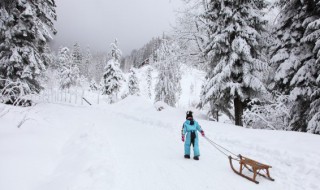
190 127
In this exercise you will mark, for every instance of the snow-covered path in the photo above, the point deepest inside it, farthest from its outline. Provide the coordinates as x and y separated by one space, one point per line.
129 145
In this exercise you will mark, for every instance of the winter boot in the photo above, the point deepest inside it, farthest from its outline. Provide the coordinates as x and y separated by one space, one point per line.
196 158
187 156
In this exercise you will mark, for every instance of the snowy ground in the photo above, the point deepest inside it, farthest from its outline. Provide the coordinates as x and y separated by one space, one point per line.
129 145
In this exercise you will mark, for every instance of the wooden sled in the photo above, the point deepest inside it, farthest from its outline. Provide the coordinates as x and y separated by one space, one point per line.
252 166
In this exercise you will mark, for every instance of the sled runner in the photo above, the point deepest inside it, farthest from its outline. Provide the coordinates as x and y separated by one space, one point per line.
253 166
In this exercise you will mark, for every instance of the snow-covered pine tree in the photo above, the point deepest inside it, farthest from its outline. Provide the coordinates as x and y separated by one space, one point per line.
63 57
312 36
24 32
149 81
168 85
69 73
93 85
234 53
314 114
87 62
174 64
48 56
164 90
133 83
113 76
313 33
101 85
97 69
115 53
77 57
294 58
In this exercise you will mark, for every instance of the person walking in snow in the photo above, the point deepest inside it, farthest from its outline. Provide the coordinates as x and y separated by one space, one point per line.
190 136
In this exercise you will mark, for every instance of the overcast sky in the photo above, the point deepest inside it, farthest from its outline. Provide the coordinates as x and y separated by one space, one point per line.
98 22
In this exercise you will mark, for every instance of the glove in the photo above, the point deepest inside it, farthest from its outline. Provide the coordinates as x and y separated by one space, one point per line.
182 138
202 133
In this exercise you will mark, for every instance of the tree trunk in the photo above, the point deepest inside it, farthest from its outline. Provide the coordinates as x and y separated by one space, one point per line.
238 111
217 115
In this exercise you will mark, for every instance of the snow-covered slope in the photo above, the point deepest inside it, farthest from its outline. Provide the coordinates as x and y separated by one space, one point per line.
130 145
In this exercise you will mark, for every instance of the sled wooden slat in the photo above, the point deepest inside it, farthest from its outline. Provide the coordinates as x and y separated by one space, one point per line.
254 166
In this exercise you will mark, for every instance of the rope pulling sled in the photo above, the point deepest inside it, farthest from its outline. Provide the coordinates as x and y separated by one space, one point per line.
253 166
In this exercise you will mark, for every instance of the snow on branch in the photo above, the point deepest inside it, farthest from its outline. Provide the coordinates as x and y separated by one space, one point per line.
15 93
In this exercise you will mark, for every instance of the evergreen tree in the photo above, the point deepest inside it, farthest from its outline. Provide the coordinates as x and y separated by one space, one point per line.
295 59
112 79
314 114
113 76
168 85
48 56
133 83
234 53
64 57
24 33
97 69
149 81
313 35
77 58
93 85
87 62
115 53
76 54
69 73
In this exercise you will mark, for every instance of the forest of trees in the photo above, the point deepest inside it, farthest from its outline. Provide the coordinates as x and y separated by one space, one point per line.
260 73
269 71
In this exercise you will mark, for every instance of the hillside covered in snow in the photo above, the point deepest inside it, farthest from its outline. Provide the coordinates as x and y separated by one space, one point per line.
130 145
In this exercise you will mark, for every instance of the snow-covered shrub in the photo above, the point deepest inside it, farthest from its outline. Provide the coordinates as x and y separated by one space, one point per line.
268 115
